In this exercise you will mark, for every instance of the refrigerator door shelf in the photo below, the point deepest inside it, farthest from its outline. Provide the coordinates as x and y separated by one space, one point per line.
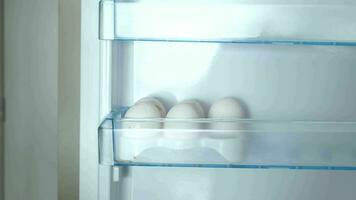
250 144
229 23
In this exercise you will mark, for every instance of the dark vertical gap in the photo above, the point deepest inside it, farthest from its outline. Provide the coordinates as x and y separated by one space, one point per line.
2 143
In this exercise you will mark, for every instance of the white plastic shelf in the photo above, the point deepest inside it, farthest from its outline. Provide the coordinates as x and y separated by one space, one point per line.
229 23
233 143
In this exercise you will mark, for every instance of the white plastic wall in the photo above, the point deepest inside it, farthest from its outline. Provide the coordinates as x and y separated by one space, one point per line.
278 82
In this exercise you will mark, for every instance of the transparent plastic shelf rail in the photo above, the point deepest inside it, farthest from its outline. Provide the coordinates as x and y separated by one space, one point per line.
232 143
230 22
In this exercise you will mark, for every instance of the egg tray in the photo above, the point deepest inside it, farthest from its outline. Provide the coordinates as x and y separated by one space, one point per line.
178 145
190 139
233 141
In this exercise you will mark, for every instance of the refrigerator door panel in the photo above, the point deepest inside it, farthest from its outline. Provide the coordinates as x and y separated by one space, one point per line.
284 60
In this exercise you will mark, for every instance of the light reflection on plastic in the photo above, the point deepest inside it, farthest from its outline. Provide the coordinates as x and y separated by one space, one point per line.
167 65
191 21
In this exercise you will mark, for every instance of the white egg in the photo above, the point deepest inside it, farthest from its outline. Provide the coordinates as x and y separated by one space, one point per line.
155 101
184 110
189 109
197 106
227 108
143 110
233 137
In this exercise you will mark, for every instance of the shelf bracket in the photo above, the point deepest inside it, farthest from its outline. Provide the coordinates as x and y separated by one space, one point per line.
116 171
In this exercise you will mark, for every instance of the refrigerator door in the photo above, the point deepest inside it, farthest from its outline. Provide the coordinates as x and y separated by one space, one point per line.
281 59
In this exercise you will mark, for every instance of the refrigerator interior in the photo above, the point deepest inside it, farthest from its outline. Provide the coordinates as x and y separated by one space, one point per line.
274 82
278 79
